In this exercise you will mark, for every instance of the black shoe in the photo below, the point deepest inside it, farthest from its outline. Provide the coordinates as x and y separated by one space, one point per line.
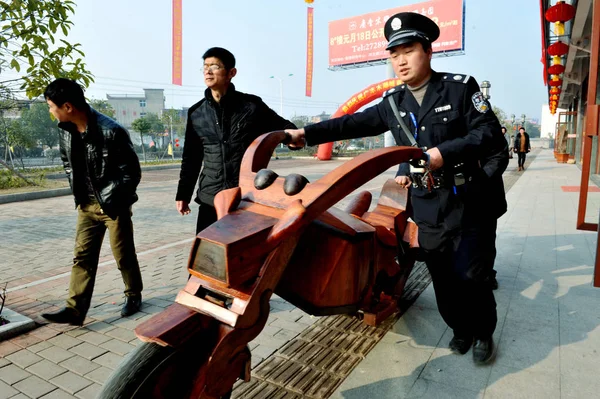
65 316
132 305
484 351
460 346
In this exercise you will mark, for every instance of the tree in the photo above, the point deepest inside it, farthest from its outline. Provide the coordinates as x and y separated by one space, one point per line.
501 115
300 120
27 38
142 126
103 107
173 118
17 138
156 125
39 125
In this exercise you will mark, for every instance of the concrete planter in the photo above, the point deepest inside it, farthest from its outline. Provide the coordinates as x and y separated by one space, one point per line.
18 324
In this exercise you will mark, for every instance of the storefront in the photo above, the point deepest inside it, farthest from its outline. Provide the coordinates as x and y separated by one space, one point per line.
570 47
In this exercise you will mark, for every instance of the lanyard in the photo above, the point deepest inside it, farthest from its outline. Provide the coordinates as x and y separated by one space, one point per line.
414 121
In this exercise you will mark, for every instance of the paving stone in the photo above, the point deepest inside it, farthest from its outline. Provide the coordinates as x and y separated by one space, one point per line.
45 333
121 333
99 326
109 359
57 394
46 369
79 365
26 340
90 392
23 358
4 362
6 391
100 375
12 374
34 387
93 338
56 354
19 396
39 347
88 350
64 341
71 382
288 325
7 347
117 346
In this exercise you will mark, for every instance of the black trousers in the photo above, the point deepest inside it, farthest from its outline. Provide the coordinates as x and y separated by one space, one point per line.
522 156
464 297
207 215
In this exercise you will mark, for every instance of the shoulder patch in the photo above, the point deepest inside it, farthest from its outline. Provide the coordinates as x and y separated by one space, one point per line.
480 103
454 77
393 90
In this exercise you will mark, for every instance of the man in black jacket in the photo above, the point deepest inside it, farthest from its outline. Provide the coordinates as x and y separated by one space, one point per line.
446 114
104 172
220 127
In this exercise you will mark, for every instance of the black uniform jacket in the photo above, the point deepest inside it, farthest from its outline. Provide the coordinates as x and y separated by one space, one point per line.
218 134
453 117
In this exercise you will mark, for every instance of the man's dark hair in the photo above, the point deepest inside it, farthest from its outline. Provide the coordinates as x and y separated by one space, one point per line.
64 90
223 55
504 128
522 128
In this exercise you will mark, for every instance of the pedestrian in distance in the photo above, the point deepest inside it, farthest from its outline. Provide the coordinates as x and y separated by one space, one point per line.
522 147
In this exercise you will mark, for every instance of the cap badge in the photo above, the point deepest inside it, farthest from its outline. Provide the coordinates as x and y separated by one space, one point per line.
396 24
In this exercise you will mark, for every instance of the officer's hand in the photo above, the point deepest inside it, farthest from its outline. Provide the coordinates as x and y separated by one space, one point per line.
297 140
183 207
403 181
435 158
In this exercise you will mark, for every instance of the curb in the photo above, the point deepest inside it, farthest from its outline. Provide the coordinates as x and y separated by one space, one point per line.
18 324
33 195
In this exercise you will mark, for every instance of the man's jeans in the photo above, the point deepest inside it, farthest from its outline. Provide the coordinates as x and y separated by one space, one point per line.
91 227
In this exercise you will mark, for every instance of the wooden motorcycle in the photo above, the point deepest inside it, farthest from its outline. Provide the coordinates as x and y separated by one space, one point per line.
273 234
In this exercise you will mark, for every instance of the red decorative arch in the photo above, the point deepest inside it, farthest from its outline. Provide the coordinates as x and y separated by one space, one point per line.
354 103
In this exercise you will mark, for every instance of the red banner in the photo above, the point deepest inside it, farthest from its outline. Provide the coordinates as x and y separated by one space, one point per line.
361 39
177 28
309 51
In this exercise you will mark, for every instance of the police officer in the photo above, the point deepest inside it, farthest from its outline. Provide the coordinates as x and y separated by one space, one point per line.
447 115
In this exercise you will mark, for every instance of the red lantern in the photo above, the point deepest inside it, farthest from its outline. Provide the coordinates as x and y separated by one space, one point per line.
556 69
555 83
176 142
560 12
558 48
555 90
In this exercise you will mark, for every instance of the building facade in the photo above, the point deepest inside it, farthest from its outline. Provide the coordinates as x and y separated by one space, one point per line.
131 107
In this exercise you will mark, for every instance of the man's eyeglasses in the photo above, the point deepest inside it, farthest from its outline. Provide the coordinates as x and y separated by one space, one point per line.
212 67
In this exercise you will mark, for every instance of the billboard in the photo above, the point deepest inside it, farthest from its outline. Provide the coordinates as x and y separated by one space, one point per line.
359 41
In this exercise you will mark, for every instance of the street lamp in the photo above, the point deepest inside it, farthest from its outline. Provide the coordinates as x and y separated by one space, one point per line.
281 92
523 117
485 86
512 121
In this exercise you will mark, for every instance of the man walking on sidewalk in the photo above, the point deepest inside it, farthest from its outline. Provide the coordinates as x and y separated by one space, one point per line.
522 147
104 172
220 128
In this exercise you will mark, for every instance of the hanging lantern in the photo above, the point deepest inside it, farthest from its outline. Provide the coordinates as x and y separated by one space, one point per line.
554 97
309 1
555 90
559 14
556 69
557 49
555 83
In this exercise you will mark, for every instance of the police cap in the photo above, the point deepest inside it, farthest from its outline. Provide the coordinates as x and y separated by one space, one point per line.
406 27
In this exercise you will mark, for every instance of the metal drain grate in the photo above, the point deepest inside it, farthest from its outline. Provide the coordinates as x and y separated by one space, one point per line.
316 362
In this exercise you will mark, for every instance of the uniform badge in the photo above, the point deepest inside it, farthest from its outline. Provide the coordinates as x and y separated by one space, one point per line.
396 24
457 77
480 103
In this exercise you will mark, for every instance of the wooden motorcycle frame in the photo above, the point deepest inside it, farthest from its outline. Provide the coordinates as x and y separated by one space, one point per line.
274 235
